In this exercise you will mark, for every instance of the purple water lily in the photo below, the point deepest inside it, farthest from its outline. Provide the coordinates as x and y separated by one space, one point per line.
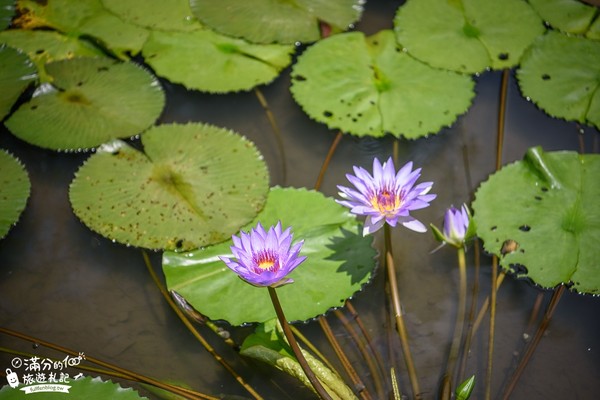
264 258
386 196
456 223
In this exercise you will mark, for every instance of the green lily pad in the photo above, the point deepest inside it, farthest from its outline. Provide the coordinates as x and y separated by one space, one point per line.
367 86
16 73
90 101
541 217
223 64
561 74
166 15
339 262
83 388
14 191
193 185
277 21
46 46
571 16
84 17
468 35
7 11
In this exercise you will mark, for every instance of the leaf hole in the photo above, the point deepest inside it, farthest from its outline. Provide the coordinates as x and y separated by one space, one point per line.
525 228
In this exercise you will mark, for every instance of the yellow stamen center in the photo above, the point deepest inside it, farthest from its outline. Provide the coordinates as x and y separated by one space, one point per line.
386 202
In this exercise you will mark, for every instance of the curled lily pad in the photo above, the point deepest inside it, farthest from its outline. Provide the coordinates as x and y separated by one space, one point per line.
339 261
468 35
193 185
16 73
541 217
368 86
277 21
571 16
7 11
84 18
14 191
560 74
87 387
90 101
166 15
221 64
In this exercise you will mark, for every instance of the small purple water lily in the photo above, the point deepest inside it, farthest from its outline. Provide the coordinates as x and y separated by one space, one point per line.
458 227
386 196
264 258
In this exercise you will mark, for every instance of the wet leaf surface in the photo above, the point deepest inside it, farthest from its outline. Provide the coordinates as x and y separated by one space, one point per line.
541 217
16 74
369 87
194 185
90 101
467 36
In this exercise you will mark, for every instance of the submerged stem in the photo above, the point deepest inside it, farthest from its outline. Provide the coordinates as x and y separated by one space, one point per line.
185 393
195 332
276 131
400 327
325 165
295 348
535 341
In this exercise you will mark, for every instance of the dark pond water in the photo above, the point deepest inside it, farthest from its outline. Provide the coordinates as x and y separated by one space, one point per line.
64 284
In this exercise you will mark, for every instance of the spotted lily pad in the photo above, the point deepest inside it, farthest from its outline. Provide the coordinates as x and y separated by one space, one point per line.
220 63
84 18
561 74
541 217
83 388
339 261
16 73
166 15
571 16
468 35
7 11
367 86
193 185
90 101
14 191
277 21
47 46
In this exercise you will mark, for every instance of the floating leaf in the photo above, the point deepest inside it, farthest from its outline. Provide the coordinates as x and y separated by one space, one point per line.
571 16
193 185
366 86
560 74
46 46
14 191
541 216
84 17
277 21
211 62
7 11
468 35
167 15
16 73
83 388
340 260
91 101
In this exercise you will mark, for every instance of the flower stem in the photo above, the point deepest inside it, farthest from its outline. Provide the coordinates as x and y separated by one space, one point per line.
460 320
295 348
488 376
395 298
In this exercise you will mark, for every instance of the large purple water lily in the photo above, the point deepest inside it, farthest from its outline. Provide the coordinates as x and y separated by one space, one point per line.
386 196
265 258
